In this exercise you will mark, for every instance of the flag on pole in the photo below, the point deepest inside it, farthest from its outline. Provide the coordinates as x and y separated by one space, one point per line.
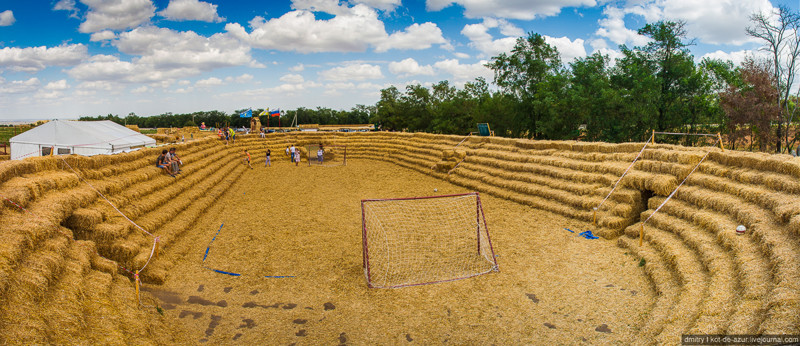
246 114
275 113
264 112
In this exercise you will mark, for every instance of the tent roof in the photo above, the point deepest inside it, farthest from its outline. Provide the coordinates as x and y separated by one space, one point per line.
104 134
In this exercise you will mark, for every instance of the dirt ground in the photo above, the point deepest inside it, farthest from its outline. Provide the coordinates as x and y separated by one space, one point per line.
552 287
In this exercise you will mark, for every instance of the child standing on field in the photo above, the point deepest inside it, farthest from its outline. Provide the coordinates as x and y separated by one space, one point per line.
296 157
247 158
320 152
268 162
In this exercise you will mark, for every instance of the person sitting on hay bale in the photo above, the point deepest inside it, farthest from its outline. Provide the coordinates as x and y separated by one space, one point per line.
162 162
175 161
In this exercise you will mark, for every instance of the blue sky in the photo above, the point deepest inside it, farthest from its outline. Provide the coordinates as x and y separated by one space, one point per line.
70 58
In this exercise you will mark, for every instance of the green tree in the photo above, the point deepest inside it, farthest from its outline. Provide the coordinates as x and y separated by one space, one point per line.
523 74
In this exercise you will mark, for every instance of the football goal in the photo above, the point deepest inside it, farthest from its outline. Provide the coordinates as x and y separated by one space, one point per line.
327 155
424 240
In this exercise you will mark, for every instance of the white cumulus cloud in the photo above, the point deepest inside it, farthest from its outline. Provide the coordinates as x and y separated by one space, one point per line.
355 72
116 14
180 10
709 21
292 78
105 35
352 29
7 18
34 59
20 86
409 67
57 85
464 72
568 49
515 9
205 83
416 36
482 40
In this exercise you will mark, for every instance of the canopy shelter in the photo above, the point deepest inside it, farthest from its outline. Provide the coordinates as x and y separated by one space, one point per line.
64 137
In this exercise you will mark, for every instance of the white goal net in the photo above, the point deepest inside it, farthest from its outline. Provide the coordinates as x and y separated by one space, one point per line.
423 240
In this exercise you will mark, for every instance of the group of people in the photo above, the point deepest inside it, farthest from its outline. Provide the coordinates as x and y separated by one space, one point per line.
169 162
267 162
228 134
294 154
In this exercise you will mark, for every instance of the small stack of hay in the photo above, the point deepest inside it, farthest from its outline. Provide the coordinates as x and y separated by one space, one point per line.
450 158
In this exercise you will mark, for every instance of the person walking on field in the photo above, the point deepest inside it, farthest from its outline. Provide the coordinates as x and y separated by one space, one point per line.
291 158
320 153
247 158
296 157
268 162
292 150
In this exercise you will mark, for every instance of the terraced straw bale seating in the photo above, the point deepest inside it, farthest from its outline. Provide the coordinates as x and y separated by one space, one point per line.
67 256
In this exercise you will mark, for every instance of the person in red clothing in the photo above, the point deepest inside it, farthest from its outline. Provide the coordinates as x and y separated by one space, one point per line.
247 158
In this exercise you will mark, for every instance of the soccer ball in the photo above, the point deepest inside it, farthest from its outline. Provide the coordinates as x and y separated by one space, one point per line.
435 190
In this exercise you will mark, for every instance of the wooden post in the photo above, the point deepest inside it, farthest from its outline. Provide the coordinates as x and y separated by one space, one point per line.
719 137
654 137
594 217
136 276
641 235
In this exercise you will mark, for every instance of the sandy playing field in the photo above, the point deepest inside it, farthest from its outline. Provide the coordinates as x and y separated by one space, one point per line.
552 287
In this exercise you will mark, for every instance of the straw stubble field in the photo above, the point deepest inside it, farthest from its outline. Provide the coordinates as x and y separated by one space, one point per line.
552 286
67 258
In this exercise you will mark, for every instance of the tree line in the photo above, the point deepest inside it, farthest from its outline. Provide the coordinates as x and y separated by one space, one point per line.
658 86
360 114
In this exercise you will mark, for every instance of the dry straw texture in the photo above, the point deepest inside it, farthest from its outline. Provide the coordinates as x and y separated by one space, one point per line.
698 275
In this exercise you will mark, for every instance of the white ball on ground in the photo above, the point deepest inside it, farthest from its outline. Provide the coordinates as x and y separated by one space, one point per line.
740 229
435 190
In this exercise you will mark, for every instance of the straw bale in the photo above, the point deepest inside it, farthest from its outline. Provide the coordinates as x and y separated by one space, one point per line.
83 219
658 183
101 316
111 230
123 249
67 320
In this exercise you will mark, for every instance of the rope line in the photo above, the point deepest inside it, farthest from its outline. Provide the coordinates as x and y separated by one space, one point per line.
58 229
678 187
685 134
106 199
626 172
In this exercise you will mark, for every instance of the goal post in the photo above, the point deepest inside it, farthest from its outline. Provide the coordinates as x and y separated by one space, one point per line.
332 155
424 240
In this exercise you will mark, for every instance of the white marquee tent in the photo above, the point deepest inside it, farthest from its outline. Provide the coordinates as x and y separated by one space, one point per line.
64 137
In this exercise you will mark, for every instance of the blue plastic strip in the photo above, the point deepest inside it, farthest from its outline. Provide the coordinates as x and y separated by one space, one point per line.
212 240
569 230
224 272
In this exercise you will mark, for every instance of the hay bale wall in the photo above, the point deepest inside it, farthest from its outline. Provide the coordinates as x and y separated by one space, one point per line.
693 256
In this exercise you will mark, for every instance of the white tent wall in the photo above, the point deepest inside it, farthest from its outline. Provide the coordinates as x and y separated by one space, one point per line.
77 137
20 151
